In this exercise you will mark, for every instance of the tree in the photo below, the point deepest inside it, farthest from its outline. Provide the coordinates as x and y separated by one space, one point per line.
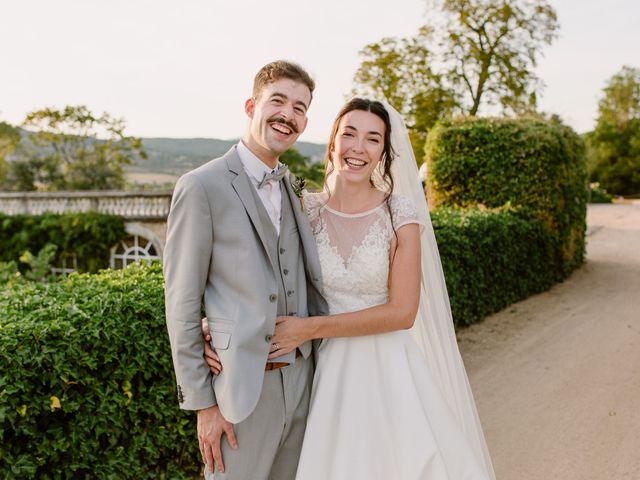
301 166
9 140
614 158
399 70
480 55
73 149
490 48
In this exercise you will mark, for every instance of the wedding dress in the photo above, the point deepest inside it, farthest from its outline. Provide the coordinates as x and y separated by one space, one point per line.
376 410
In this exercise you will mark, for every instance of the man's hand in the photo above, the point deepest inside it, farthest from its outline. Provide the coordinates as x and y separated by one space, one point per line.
210 356
211 426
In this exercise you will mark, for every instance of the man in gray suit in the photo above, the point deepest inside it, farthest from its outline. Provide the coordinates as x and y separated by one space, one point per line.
239 245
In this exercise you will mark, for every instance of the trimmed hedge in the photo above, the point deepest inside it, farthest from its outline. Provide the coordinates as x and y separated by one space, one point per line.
533 165
86 383
491 259
89 236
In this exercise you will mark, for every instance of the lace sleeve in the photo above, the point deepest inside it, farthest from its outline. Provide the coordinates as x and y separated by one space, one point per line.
403 211
311 203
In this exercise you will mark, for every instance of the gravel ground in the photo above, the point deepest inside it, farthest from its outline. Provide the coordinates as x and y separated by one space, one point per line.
557 376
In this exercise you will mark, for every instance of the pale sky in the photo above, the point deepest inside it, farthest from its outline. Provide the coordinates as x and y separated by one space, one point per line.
185 68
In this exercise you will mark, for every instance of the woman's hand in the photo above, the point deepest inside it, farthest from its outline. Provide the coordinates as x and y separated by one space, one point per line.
290 333
210 356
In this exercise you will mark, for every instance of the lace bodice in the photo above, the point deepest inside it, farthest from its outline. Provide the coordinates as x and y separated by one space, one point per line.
354 250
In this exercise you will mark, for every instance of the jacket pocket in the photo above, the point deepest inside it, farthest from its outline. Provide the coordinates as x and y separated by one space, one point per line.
220 340
220 329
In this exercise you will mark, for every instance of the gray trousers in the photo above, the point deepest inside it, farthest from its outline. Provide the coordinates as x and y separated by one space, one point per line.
270 439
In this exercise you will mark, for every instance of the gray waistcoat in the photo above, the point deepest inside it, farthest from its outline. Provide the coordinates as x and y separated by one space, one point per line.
286 255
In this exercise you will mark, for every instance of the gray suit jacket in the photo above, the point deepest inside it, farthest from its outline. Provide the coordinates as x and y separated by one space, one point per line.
216 254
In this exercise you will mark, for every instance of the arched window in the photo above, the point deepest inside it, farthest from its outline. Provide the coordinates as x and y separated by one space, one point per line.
141 246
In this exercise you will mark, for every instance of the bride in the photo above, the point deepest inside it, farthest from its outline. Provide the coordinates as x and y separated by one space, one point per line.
390 397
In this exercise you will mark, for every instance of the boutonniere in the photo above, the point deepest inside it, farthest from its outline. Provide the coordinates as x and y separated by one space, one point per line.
298 184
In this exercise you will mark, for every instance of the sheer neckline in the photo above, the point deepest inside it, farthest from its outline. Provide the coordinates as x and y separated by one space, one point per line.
354 215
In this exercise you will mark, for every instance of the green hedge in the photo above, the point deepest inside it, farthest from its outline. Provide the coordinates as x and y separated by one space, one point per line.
533 165
98 344
89 236
491 259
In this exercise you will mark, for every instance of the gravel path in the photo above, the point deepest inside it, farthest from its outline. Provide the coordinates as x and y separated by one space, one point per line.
557 376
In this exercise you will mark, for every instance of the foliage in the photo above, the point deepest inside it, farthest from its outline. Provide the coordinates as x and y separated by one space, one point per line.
491 48
598 195
400 71
89 236
40 264
615 142
301 166
9 140
528 164
87 387
491 259
9 273
481 56
73 149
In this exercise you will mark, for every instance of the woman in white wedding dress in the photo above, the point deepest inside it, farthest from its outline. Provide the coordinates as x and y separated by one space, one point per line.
390 399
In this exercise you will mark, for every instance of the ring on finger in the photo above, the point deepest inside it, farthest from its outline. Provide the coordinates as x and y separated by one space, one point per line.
276 347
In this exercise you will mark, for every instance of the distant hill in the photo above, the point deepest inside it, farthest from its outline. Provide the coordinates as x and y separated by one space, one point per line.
174 156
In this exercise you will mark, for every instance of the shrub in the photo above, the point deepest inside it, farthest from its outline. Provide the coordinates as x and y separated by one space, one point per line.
598 194
89 236
535 166
87 387
491 259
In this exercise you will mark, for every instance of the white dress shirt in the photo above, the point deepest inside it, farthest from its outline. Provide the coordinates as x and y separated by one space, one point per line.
270 194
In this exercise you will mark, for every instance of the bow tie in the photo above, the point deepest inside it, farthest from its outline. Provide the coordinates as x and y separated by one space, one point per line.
275 176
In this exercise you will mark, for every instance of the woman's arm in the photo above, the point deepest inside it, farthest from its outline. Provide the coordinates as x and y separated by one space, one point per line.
397 314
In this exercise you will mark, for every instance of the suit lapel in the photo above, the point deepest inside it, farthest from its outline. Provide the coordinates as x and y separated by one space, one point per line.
243 188
312 262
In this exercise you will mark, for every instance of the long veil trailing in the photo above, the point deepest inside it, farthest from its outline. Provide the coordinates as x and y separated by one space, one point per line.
433 329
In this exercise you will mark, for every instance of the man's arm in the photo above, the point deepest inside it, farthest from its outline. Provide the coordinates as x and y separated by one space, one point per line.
186 263
187 257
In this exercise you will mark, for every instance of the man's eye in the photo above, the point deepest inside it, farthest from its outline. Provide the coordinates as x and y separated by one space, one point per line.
299 111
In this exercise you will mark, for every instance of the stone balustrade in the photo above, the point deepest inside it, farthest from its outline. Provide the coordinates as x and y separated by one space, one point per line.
133 206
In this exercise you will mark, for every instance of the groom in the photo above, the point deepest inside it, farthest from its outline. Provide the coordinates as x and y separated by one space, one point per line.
240 247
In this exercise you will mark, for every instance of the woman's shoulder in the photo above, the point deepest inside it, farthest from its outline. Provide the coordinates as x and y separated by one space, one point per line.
312 201
314 198
401 204
403 210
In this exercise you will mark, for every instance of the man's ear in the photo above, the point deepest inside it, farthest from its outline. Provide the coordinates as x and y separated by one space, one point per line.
249 107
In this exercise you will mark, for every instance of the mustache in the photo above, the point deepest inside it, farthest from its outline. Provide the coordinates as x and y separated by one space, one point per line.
281 120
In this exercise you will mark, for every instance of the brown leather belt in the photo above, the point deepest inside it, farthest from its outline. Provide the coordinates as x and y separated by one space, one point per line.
276 365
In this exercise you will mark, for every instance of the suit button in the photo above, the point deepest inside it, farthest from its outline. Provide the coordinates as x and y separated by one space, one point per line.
285 271
273 297
268 338
289 293
281 250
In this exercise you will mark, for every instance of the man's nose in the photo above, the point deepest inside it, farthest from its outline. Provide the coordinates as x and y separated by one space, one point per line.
287 110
